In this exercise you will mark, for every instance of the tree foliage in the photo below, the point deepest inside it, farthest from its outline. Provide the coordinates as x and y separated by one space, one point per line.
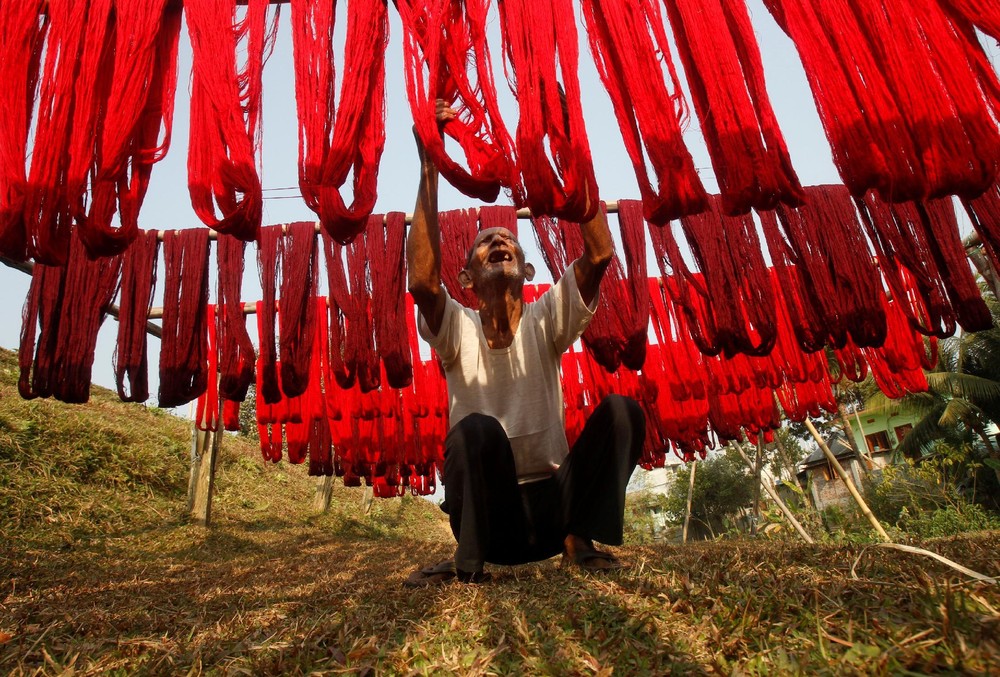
723 487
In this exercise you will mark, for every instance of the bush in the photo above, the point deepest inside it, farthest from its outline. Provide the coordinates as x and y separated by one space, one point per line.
948 521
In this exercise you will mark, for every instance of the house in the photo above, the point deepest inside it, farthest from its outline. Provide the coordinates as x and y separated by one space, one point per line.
877 433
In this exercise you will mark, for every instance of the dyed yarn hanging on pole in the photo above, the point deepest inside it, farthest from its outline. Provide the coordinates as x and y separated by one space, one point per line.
722 62
540 43
985 215
236 351
69 306
650 111
922 239
822 258
140 78
341 308
23 26
299 272
902 94
447 57
138 286
388 290
498 216
459 228
226 104
268 266
983 14
184 346
338 136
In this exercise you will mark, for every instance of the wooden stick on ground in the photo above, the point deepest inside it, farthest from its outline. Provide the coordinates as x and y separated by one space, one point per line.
777 499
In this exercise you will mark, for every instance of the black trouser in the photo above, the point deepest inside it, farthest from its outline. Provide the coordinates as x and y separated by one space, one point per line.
496 520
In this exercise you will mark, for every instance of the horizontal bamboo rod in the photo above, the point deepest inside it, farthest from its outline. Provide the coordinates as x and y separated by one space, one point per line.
521 214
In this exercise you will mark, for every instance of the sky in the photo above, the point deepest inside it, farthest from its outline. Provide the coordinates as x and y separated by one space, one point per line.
168 204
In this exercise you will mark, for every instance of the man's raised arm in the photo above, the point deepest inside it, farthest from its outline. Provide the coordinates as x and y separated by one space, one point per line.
597 252
423 247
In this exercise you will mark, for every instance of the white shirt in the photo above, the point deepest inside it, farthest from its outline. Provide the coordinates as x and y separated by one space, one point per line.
517 385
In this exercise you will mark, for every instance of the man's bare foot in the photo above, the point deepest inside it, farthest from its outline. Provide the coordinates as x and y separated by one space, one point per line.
581 552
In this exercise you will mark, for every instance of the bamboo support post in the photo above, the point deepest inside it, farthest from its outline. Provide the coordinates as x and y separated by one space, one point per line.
848 481
777 499
757 466
687 514
207 444
324 492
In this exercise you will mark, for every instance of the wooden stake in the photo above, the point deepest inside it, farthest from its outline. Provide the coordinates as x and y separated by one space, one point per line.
848 481
687 515
324 492
756 490
777 499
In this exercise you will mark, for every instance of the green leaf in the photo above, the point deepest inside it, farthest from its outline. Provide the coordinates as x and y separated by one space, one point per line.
992 463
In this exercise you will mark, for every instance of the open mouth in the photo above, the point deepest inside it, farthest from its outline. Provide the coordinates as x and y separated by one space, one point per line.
500 256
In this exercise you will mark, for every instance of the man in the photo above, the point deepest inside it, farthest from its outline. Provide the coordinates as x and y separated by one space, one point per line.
514 492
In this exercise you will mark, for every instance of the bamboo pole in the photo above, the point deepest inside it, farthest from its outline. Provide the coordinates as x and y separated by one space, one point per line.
324 492
777 499
756 490
687 514
848 481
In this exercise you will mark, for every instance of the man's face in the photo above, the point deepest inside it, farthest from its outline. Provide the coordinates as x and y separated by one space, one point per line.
495 254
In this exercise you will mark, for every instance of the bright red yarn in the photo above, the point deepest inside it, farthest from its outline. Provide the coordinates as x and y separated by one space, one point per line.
338 136
983 14
448 57
717 46
629 46
226 101
236 351
297 307
540 44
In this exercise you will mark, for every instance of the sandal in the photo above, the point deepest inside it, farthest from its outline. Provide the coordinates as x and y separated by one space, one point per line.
587 558
442 573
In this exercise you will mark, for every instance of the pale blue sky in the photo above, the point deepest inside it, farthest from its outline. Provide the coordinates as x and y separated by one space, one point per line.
168 204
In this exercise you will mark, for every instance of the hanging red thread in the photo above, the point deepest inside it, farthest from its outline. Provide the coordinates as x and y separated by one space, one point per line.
207 408
388 289
183 348
901 95
225 112
984 14
650 111
268 263
498 216
341 308
137 288
540 43
236 351
717 46
823 262
984 212
458 232
336 137
447 57
23 26
69 306
299 271
139 79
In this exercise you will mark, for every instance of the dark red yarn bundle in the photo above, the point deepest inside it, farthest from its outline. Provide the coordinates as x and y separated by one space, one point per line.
459 228
984 212
226 102
498 216
65 308
540 43
236 351
822 261
297 308
922 239
338 136
722 61
904 97
268 252
184 346
629 46
139 264
341 308
448 57
388 291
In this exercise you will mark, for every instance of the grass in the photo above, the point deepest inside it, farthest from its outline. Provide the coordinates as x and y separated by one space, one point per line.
104 574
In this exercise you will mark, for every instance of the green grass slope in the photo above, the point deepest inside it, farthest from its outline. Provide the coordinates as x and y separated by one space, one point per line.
102 573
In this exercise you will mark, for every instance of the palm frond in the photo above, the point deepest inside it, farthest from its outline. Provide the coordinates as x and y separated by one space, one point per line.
916 404
976 389
958 410
924 433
